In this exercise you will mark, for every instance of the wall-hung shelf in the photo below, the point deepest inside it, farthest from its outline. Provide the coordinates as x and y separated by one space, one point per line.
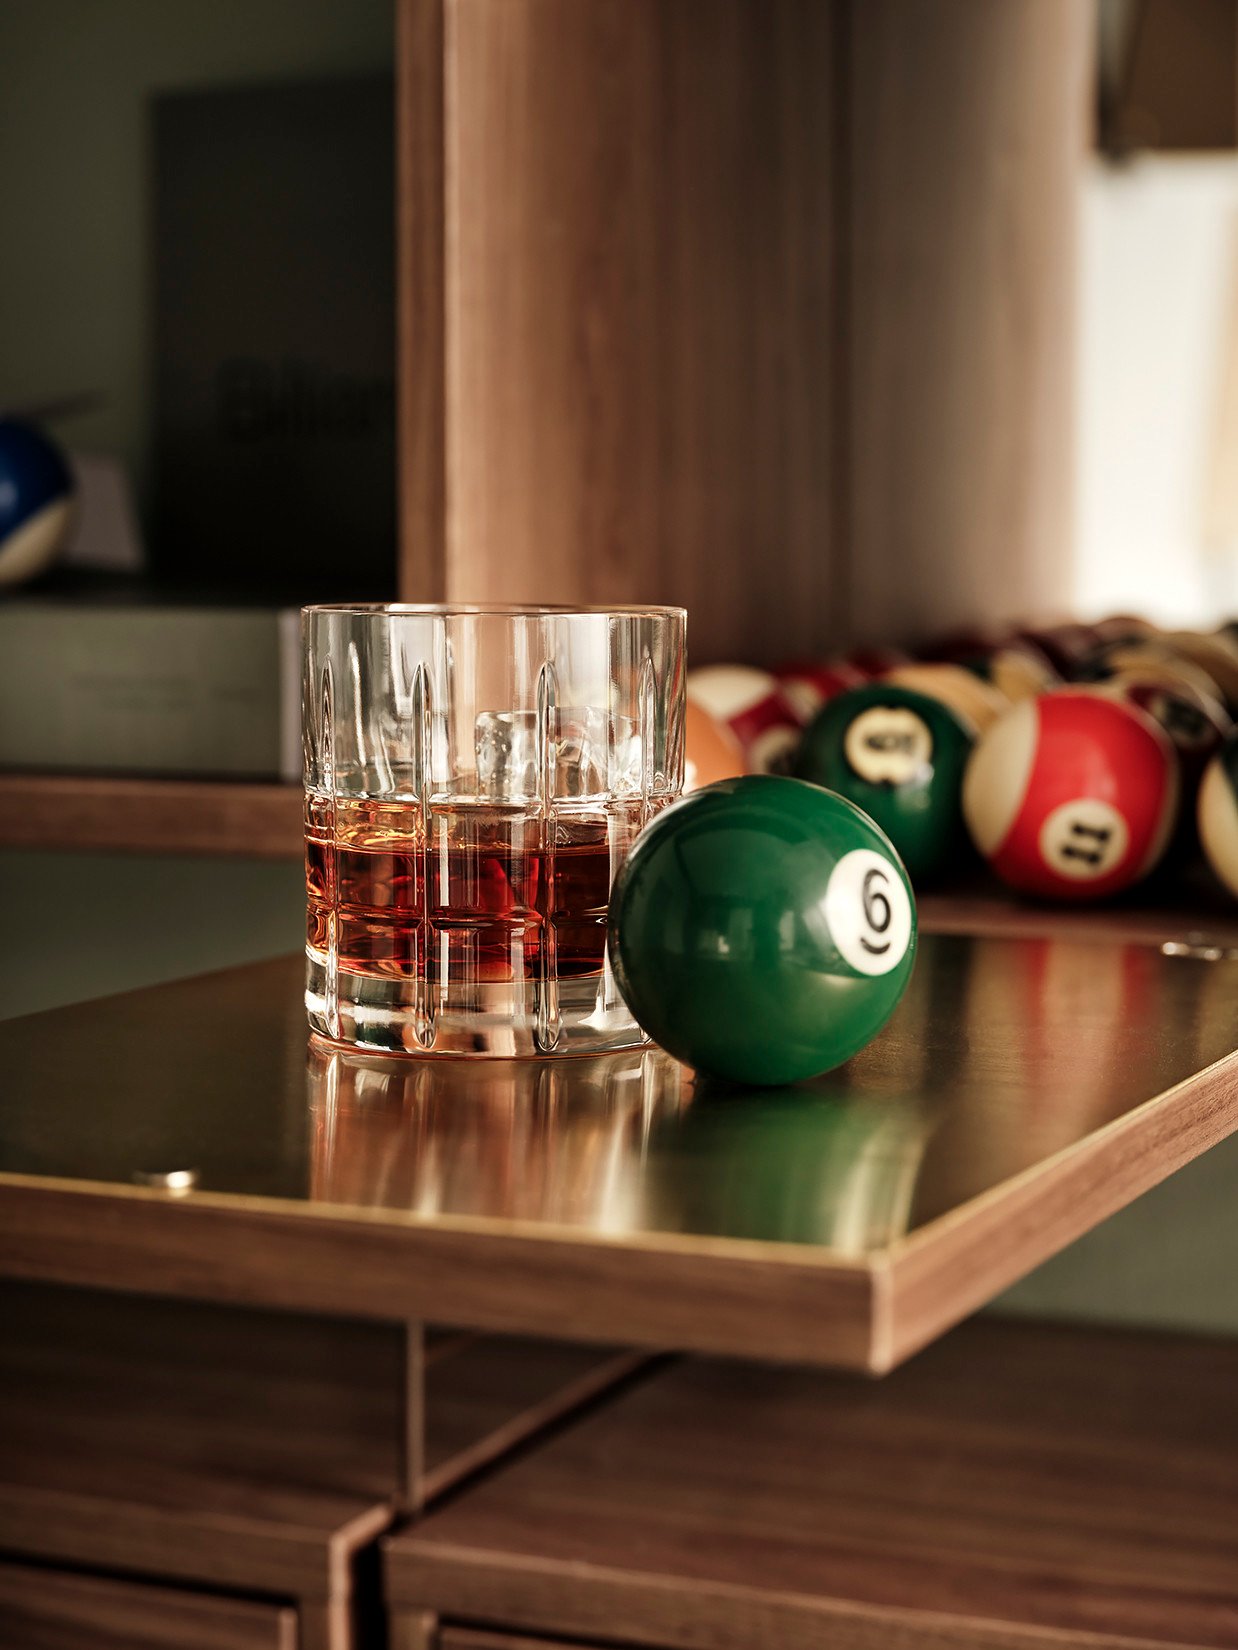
87 814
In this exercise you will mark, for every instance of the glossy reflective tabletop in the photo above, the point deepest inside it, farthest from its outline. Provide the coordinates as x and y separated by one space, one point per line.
1024 1090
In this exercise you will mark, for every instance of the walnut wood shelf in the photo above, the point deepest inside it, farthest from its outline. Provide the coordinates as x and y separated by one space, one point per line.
1018 1487
92 813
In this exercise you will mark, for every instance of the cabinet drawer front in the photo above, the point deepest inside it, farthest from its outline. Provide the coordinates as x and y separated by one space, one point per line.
56 1610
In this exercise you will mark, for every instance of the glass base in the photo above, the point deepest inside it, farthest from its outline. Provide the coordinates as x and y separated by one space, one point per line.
504 1020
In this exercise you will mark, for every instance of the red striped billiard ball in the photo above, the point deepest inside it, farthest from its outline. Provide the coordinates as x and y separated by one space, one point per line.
1072 796
806 685
751 705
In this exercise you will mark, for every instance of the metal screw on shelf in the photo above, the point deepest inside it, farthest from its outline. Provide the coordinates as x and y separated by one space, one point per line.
1199 946
174 1181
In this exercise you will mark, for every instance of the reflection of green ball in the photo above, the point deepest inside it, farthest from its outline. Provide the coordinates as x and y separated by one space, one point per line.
762 930
900 756
813 1164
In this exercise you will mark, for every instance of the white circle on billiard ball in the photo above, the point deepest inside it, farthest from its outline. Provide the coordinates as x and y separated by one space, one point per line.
868 911
727 691
888 745
1084 839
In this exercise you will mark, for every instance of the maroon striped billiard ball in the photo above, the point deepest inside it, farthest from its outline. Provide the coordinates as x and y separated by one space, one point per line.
806 685
1072 795
750 703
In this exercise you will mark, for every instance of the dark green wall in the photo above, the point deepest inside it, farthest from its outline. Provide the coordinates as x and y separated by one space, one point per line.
74 173
83 925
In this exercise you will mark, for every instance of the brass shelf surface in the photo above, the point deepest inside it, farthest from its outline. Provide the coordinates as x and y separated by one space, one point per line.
1024 1091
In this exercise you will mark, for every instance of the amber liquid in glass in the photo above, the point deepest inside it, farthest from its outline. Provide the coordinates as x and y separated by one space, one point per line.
476 895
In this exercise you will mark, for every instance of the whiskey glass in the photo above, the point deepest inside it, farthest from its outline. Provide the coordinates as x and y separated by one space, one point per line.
474 779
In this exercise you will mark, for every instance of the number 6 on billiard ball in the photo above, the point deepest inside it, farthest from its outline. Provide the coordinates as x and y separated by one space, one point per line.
868 911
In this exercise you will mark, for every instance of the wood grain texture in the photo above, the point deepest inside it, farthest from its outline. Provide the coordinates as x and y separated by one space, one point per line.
777 1301
150 816
638 300
494 1395
222 1448
967 126
1018 1488
230 1449
762 308
413 1630
421 300
480 1638
51 1610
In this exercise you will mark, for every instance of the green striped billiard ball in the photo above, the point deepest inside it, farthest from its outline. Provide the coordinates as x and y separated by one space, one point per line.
899 755
762 930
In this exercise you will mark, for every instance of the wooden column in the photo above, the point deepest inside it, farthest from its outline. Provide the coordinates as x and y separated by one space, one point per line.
637 311
763 306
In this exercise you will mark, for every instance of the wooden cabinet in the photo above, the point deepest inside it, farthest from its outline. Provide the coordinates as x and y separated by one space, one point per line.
46 1609
1015 1487
208 1447
239 1451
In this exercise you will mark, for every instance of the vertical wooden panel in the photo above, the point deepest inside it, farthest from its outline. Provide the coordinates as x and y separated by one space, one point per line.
640 309
764 306
1178 85
968 123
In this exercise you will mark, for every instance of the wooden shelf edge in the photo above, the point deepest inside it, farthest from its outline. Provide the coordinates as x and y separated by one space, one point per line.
75 813
1192 911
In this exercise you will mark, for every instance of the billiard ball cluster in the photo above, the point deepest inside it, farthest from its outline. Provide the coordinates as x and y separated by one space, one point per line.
1073 758
764 928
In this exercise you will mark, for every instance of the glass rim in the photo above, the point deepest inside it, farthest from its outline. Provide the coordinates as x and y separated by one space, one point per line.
495 610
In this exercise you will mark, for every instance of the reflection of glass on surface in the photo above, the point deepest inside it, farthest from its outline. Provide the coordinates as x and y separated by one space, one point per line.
555 1141
474 779
617 1143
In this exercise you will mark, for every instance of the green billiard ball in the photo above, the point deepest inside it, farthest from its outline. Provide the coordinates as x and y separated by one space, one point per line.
762 930
899 755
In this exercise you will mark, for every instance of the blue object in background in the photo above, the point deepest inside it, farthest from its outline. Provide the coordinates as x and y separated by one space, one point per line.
36 501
